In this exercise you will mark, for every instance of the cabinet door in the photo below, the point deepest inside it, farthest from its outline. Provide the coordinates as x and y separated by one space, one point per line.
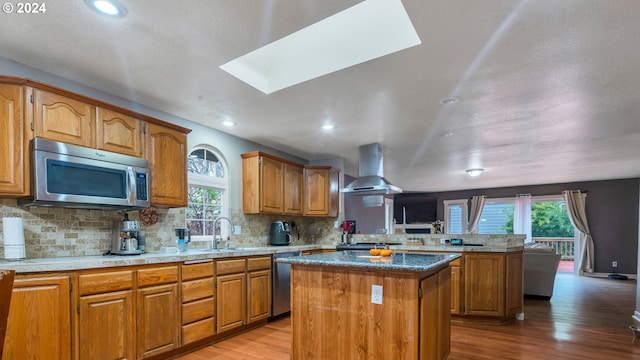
158 323
484 284
231 301
272 183
258 295
39 323
456 287
118 133
292 189
106 326
515 291
14 166
429 318
444 316
60 118
167 157
320 191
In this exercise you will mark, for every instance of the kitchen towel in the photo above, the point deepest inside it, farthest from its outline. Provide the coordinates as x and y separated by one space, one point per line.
13 238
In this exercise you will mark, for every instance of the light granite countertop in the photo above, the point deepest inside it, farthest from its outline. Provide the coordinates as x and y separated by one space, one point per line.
398 261
98 261
106 261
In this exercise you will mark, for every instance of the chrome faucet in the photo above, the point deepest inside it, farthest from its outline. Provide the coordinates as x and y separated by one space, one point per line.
214 242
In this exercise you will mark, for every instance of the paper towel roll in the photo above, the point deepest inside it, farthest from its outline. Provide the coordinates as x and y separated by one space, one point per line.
13 234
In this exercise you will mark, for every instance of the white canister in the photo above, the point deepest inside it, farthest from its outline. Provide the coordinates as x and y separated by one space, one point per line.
13 234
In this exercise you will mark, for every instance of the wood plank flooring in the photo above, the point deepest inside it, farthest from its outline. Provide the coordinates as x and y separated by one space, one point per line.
586 319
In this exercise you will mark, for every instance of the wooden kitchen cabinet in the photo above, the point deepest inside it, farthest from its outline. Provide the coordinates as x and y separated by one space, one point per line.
167 155
39 323
14 143
457 288
60 118
258 289
292 189
320 191
271 185
198 301
493 285
119 133
435 340
231 301
106 319
157 310
243 292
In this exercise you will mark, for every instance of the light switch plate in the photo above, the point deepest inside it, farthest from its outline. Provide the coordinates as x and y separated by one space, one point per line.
237 229
376 294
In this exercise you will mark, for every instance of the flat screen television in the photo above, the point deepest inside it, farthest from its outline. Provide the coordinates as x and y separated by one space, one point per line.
416 208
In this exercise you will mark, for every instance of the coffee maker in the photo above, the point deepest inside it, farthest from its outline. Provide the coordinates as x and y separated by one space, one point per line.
126 237
280 233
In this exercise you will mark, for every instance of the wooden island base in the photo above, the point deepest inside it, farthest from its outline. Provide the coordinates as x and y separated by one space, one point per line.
333 317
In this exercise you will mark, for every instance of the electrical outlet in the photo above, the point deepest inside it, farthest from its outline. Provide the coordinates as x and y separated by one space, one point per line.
376 294
237 229
614 264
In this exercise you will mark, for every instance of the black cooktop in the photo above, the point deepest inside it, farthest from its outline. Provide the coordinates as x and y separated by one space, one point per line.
363 246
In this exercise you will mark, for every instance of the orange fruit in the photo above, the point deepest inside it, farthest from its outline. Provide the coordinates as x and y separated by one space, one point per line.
386 252
375 252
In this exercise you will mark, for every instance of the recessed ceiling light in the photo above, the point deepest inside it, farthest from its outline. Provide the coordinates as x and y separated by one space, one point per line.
449 100
363 32
474 172
228 123
328 127
107 7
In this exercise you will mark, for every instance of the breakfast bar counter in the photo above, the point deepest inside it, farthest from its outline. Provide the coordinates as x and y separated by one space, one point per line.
351 305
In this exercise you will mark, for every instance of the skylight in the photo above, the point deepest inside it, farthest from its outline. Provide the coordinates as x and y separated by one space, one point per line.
363 32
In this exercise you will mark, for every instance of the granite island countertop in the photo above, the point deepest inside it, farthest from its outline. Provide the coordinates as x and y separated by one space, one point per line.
398 261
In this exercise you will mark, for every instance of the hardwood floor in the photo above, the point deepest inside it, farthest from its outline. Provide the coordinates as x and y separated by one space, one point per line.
586 319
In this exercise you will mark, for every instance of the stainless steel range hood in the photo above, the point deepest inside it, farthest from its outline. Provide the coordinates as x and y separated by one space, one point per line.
371 179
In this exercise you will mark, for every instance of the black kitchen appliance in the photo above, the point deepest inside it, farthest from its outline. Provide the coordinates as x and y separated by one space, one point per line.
280 233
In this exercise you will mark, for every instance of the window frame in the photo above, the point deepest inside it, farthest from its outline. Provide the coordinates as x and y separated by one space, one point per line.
464 204
212 182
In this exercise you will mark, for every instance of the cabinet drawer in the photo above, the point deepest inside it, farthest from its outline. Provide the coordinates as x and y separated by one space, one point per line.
198 330
197 310
157 275
261 263
230 266
105 282
197 271
197 289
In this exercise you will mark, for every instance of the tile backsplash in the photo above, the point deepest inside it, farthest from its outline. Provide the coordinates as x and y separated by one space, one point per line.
56 232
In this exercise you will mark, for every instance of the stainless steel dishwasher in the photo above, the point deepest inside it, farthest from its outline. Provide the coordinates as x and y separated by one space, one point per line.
281 292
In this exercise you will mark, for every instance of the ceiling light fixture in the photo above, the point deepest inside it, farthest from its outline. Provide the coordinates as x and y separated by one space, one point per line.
107 7
474 172
328 127
228 123
449 100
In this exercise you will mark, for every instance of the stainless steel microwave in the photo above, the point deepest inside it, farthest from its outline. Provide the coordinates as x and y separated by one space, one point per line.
65 175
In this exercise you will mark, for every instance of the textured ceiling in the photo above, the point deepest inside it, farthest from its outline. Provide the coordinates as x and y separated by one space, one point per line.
547 88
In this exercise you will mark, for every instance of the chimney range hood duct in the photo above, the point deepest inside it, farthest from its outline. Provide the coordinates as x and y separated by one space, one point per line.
370 179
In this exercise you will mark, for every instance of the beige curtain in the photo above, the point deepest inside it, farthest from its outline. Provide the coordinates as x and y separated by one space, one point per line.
475 210
576 207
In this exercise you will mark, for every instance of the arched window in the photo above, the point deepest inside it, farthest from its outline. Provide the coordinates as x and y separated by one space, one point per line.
208 189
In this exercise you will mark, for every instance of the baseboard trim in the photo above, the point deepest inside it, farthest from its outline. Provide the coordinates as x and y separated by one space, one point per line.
605 275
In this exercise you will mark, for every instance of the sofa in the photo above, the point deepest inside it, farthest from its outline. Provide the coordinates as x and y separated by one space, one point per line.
540 268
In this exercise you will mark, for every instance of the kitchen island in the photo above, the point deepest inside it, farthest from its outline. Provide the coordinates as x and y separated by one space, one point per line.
350 305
